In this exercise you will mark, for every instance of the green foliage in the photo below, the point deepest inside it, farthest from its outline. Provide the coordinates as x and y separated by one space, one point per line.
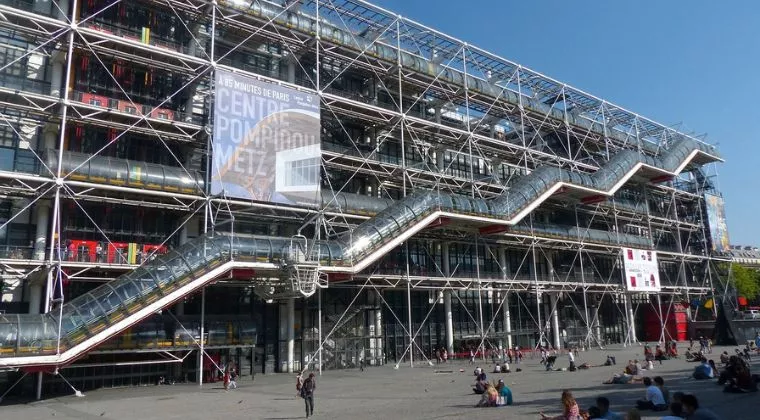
746 281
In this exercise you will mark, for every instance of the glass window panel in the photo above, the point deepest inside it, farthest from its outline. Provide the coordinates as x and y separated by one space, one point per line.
91 311
127 290
107 298
137 173
161 272
144 281
196 258
245 247
177 264
263 248
155 176
8 332
30 335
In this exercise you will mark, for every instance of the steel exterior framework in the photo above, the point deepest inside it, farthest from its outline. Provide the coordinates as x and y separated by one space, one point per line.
427 115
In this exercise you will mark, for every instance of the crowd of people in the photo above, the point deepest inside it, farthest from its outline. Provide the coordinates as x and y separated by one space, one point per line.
733 374
508 354
492 394
680 406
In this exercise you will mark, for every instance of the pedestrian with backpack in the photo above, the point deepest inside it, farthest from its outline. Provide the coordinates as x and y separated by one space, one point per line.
307 393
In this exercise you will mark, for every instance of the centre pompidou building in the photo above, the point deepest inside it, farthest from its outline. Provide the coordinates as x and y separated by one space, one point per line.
278 186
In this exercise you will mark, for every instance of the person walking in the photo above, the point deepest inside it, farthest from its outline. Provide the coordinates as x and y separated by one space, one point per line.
233 378
571 359
299 383
226 379
307 393
564 337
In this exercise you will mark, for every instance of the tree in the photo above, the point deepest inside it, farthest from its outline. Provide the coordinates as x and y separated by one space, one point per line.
746 281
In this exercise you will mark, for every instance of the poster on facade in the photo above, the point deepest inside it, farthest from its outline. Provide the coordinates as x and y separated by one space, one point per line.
266 143
641 271
716 218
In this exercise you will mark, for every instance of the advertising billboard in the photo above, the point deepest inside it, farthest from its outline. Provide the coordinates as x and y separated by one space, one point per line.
641 271
716 218
266 143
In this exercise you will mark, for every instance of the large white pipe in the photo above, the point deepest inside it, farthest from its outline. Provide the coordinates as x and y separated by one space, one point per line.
41 232
291 319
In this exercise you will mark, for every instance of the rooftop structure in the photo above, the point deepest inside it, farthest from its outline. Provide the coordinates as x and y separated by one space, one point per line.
744 254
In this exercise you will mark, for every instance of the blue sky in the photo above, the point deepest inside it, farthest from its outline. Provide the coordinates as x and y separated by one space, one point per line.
691 62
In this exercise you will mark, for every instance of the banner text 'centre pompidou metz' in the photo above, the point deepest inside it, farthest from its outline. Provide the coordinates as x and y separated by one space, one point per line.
266 142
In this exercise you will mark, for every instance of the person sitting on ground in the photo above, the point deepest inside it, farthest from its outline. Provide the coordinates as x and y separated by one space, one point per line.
647 352
477 371
505 367
497 368
673 351
654 399
692 411
488 398
724 358
729 370
620 379
603 405
715 370
570 410
479 387
493 395
505 394
692 356
703 371
660 355
676 412
610 360
630 367
660 383
742 380
688 354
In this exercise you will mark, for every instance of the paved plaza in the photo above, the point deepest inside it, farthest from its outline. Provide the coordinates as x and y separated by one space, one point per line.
386 393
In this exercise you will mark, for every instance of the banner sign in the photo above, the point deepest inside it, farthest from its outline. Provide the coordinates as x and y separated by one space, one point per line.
716 218
641 271
266 143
